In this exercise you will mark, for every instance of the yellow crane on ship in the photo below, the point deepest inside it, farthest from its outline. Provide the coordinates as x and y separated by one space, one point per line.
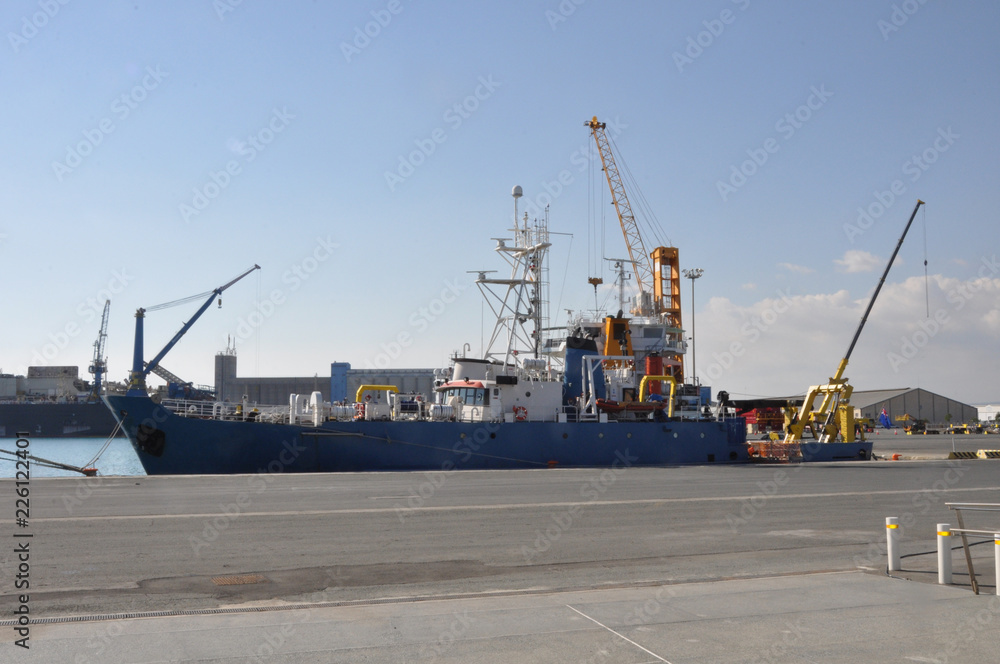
835 415
659 268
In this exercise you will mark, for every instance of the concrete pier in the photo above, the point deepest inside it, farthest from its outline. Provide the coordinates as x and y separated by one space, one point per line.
702 564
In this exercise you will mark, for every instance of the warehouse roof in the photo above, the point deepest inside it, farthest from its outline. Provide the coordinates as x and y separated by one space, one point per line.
863 398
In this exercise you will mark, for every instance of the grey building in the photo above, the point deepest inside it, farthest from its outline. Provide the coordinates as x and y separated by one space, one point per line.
342 383
916 402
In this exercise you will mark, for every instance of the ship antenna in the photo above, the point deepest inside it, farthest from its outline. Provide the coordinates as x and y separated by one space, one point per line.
517 192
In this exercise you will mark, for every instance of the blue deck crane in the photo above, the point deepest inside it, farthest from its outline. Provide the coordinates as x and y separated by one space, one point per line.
141 369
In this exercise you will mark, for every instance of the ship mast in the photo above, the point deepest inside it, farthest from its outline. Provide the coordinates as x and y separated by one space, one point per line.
519 300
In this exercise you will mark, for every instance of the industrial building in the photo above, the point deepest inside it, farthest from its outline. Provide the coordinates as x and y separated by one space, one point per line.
918 403
341 385
903 406
56 383
989 413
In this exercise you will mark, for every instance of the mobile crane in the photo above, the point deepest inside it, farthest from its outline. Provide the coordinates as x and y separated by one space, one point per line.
835 415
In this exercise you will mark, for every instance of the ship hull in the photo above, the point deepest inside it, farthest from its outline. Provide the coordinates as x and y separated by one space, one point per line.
56 420
169 444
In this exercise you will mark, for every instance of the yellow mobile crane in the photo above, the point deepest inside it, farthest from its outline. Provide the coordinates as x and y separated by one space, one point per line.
835 415
661 267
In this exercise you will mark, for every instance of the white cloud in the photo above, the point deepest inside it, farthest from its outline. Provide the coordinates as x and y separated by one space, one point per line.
749 286
855 260
798 269
783 344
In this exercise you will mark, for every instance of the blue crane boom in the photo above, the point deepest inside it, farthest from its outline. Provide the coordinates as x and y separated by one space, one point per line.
140 369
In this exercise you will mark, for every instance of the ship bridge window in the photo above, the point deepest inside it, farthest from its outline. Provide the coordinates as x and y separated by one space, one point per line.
652 332
470 396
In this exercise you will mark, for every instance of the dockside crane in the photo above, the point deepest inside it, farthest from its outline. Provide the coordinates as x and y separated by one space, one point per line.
633 238
835 414
141 369
659 269
99 365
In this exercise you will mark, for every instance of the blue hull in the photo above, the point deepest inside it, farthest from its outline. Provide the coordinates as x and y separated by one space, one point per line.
857 451
168 444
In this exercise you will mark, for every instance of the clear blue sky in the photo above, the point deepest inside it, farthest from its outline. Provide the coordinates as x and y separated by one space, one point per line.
120 118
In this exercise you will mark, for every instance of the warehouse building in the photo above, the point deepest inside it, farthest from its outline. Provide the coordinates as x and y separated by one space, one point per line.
918 403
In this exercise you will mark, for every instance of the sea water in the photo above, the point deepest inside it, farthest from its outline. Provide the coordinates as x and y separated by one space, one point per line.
118 459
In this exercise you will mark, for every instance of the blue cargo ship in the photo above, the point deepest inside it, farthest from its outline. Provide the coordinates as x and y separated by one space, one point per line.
582 399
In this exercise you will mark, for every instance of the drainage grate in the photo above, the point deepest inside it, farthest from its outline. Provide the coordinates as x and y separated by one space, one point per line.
238 580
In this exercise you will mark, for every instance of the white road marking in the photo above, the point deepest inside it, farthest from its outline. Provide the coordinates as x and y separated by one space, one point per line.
620 636
505 506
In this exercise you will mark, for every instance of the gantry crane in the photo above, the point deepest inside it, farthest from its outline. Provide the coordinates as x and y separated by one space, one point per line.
99 365
835 414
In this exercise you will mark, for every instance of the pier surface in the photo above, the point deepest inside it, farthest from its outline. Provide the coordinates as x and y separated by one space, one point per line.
697 564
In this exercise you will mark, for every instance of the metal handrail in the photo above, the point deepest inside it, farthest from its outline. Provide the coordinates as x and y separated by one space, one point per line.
963 531
975 507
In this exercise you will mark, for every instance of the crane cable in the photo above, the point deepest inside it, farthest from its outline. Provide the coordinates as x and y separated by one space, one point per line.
174 303
648 217
591 223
